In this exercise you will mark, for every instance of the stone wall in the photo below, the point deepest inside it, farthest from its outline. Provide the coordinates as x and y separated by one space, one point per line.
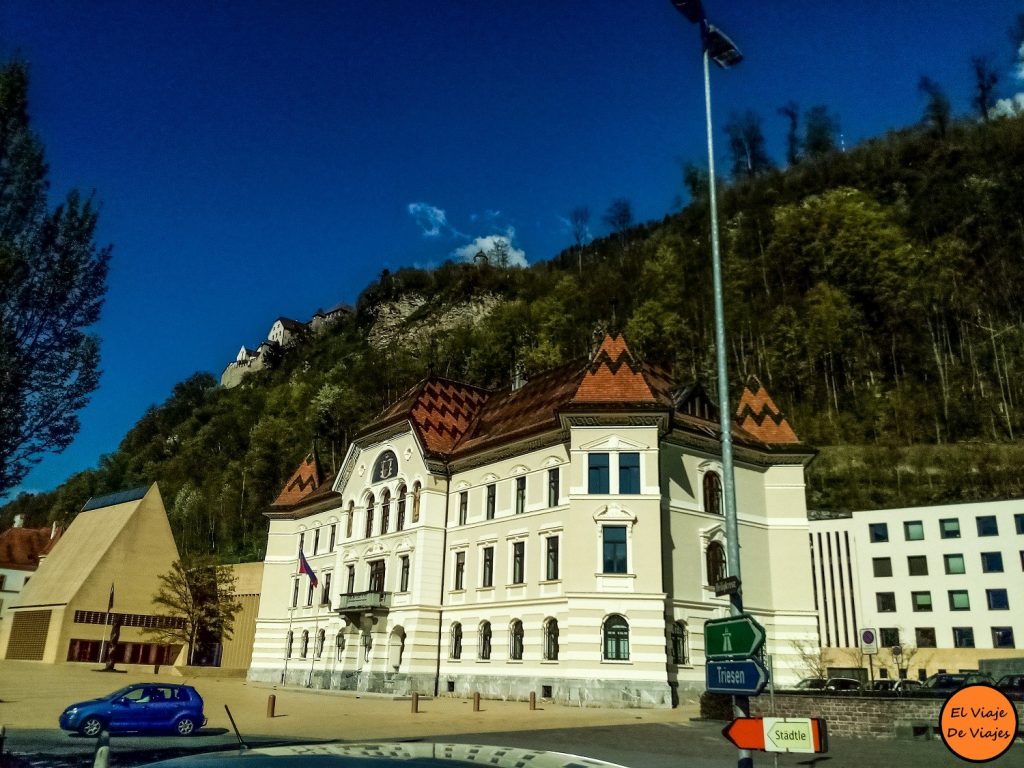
863 716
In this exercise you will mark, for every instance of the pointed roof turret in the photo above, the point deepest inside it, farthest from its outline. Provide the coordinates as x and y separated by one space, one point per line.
758 415
613 376
309 477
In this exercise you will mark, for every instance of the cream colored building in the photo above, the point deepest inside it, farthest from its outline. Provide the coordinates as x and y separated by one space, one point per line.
942 583
121 542
560 538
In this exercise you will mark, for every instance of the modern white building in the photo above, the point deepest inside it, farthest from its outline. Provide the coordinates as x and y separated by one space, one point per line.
561 537
944 583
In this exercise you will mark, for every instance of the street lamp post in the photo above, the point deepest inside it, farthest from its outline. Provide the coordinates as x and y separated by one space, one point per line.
717 47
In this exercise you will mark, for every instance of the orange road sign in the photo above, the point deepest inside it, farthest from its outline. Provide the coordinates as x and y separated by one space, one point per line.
778 734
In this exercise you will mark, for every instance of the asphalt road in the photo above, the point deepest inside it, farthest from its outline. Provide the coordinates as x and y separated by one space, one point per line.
645 745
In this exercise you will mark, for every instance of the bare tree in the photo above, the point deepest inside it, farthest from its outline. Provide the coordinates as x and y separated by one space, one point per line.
812 658
579 223
747 145
985 79
937 111
821 128
791 111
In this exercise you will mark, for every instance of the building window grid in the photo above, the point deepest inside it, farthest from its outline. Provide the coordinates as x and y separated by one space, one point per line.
597 473
1002 637
959 600
878 533
487 575
400 517
963 637
518 562
333 539
553 487
917 565
316 541
515 640
350 586
463 507
712 495
881 566
492 491
615 646
484 649
614 549
885 602
455 643
925 637
987 525
1018 521
998 599
991 562
325 594
403 584
369 517
520 495
629 473
913 530
921 601
551 639
551 567
460 570
954 564
385 512
949 528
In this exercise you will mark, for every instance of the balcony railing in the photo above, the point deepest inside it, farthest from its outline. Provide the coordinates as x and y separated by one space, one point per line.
351 601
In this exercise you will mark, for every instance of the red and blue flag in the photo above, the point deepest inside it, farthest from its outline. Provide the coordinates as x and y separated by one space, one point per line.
305 568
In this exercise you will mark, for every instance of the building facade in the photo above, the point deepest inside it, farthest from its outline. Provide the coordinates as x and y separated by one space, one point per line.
21 550
561 538
944 585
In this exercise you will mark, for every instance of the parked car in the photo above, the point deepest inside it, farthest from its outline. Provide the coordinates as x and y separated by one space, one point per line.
811 684
1012 686
947 682
842 685
142 707
892 686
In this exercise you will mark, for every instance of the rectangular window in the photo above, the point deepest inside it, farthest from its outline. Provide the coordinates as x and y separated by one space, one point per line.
334 534
997 599
376 576
885 602
889 636
925 637
463 507
629 473
350 585
295 592
460 570
954 564
991 562
309 595
917 565
1002 637
325 594
551 572
1018 521
922 601
553 487
949 528
492 490
614 548
987 525
519 562
959 600
597 473
487 577
302 540
879 533
882 566
913 531
520 495
403 582
963 637
316 540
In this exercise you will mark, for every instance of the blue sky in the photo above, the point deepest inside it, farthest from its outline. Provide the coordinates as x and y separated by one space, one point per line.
256 159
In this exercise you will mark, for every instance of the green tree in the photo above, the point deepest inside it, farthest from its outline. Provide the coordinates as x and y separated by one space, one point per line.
53 278
747 145
821 130
201 594
937 111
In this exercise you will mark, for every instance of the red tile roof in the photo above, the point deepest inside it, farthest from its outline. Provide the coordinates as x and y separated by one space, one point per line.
613 376
20 548
304 482
758 415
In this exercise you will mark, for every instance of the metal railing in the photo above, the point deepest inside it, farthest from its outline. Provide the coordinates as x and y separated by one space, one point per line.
364 600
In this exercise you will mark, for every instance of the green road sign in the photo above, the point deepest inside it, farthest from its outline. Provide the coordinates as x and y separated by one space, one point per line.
736 637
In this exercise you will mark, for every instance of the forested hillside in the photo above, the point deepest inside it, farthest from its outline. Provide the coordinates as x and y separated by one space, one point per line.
875 292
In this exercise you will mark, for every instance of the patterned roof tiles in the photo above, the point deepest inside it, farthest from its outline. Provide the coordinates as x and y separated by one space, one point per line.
307 479
758 415
614 376
20 548
443 412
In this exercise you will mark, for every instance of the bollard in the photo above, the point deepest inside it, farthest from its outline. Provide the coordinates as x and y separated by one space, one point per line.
415 702
102 757
156 669
271 705
476 701
533 700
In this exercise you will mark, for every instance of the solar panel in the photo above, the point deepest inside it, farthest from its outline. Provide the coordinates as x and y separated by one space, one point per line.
115 498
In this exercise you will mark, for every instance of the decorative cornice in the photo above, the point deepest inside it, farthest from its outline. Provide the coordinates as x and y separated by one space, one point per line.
510 450
650 419
713 447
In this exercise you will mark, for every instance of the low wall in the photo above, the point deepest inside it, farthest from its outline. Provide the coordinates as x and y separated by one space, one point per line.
862 716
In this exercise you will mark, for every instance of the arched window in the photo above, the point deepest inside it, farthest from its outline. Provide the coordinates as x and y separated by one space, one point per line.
712 493
400 519
714 557
304 648
339 645
321 636
679 643
369 516
351 516
289 641
551 639
385 511
416 502
484 649
616 638
455 645
515 640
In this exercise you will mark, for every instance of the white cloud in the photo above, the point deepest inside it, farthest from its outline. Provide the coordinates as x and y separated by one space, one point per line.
1008 107
431 219
516 256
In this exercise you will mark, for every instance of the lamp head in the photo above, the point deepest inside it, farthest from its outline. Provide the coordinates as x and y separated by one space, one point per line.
693 10
720 48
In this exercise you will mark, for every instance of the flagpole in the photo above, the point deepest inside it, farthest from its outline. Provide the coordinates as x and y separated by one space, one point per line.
289 646
106 624
316 639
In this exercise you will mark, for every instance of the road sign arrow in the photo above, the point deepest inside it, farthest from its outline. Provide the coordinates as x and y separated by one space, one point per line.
795 734
745 732
740 677
734 637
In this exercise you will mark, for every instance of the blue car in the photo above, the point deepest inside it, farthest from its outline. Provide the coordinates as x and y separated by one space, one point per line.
143 707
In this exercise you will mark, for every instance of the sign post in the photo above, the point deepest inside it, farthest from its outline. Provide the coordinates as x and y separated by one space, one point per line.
869 647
